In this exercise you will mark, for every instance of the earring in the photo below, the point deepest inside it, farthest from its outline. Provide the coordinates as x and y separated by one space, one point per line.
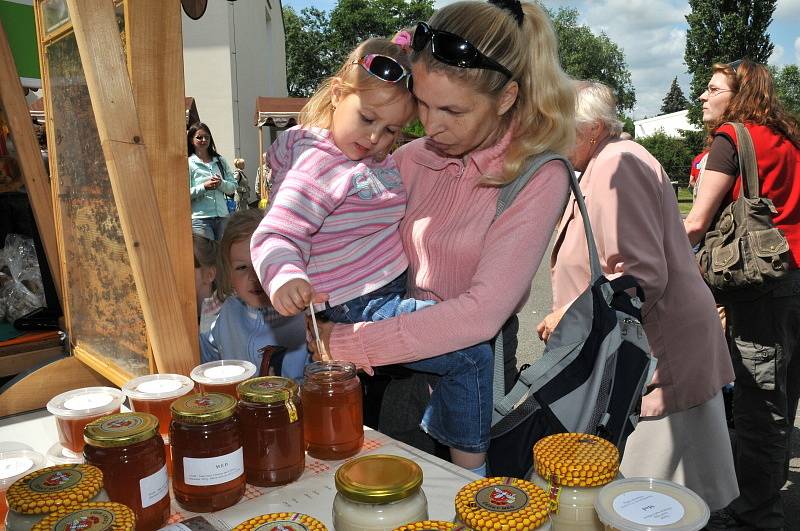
592 141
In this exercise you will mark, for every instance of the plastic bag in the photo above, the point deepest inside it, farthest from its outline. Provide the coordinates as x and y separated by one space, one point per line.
21 288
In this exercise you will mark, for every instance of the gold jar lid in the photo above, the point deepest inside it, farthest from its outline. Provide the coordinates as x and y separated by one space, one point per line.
432 525
95 516
576 460
202 408
284 521
120 429
502 503
51 488
378 478
267 389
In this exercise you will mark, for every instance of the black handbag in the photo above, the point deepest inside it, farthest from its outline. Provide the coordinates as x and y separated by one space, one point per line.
744 253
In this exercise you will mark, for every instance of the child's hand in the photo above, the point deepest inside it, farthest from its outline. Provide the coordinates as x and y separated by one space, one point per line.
293 297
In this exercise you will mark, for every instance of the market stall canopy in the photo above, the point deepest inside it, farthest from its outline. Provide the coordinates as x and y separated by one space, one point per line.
192 116
278 112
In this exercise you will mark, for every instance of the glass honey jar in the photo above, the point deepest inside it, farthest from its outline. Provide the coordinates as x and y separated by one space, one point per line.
432 525
96 516
333 422
207 455
50 489
281 522
271 417
129 451
503 503
573 467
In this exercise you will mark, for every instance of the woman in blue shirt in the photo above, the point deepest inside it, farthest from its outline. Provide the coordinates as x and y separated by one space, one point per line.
210 178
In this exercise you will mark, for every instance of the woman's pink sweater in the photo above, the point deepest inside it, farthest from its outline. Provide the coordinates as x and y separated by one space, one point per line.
479 272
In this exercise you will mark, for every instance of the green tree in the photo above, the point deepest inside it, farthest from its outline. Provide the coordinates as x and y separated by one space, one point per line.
309 58
674 101
672 152
721 31
628 125
787 85
585 55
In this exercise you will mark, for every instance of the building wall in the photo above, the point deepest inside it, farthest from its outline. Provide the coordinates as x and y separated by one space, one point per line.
233 54
671 124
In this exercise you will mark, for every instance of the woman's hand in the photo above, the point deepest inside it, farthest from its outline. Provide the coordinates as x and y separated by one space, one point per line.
325 330
549 323
293 297
213 183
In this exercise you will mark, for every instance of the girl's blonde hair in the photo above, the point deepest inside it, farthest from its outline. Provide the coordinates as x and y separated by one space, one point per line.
318 112
238 164
543 114
241 226
595 102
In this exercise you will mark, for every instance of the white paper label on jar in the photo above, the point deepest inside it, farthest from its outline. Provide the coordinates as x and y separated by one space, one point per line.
156 387
14 466
223 371
648 507
88 401
154 487
213 470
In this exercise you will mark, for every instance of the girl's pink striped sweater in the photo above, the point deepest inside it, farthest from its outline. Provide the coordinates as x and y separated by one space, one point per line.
479 270
332 221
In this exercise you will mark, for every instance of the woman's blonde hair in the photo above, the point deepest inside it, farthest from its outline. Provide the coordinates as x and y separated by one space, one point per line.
318 112
543 114
595 102
241 226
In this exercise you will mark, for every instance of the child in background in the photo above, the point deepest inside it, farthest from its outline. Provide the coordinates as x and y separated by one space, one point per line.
246 322
337 201
263 181
205 275
242 192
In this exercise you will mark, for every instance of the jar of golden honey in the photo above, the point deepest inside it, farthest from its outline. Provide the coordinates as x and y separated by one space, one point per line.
378 492
75 409
96 516
207 455
333 422
49 489
222 376
503 503
15 464
283 522
129 451
272 430
432 525
572 467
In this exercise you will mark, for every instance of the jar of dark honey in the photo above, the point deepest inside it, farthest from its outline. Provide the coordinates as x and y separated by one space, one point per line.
129 451
272 429
207 456
332 417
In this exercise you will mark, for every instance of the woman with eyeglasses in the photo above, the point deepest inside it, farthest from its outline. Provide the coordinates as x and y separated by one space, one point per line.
765 344
491 93
210 179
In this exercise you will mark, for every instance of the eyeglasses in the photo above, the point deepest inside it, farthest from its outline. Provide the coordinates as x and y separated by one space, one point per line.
454 50
713 91
385 68
735 64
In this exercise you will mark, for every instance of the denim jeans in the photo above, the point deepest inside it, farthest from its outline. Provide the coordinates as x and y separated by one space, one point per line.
460 409
211 228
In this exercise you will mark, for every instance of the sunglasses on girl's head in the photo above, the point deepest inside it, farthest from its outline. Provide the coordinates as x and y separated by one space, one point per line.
454 50
385 68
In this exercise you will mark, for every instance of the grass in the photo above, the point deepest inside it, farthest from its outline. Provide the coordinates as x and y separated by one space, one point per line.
684 200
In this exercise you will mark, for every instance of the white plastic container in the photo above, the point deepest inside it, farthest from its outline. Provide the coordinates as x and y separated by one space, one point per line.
77 408
222 376
154 394
378 493
646 504
15 464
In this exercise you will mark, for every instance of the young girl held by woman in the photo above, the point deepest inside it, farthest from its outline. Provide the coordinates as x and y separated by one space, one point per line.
332 227
247 322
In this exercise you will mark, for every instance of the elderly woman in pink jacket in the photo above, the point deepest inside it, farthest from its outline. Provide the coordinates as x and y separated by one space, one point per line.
682 435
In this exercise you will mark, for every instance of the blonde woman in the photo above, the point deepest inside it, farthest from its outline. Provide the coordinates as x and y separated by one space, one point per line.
491 94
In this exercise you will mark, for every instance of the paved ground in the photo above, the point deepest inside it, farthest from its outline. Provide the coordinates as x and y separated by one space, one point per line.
531 349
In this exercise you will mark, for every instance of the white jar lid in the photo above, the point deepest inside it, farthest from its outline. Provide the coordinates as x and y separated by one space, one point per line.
222 372
158 386
86 402
58 455
16 463
647 504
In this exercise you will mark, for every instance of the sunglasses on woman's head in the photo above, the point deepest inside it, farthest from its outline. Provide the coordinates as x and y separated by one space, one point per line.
385 68
454 50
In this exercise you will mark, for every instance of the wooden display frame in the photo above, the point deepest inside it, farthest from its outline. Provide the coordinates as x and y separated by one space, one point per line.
135 81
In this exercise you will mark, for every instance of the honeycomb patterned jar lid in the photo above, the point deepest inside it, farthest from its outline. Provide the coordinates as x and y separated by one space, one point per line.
94 516
283 521
54 487
432 525
576 460
502 503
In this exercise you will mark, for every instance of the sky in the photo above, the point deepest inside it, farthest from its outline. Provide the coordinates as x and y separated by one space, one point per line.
652 35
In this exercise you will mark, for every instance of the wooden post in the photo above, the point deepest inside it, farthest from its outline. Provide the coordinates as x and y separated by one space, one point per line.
155 52
30 158
120 134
